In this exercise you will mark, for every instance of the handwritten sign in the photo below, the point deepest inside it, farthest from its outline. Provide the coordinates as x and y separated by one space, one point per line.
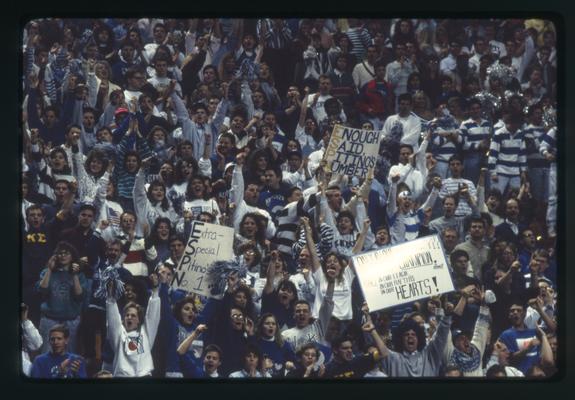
207 243
403 273
352 151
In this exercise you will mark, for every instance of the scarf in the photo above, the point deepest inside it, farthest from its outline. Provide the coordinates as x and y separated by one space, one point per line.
466 362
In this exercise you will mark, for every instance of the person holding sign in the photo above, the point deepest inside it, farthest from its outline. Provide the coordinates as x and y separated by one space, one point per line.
333 269
412 357
403 221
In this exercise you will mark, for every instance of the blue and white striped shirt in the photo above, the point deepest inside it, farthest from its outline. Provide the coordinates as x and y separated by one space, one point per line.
507 153
450 187
533 135
442 147
548 143
473 133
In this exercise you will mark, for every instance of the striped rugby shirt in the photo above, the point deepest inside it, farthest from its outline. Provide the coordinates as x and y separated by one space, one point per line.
473 133
507 153
450 186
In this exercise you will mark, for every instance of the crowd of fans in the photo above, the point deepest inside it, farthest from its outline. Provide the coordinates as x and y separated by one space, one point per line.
135 128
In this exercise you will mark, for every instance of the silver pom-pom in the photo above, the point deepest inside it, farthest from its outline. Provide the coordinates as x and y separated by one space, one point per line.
110 274
502 72
489 103
549 117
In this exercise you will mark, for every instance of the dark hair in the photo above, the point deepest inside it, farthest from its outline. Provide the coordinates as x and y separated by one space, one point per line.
87 206
178 177
128 212
261 226
177 236
456 254
339 258
336 342
212 348
276 169
403 145
471 219
154 238
452 368
405 326
308 346
63 245
494 370
346 214
96 154
249 245
189 194
457 157
132 153
180 304
164 203
404 97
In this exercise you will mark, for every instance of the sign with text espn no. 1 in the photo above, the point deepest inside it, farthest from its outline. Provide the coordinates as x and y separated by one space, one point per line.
207 243
403 273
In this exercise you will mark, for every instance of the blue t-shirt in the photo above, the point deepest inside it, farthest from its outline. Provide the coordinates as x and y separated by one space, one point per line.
516 340
47 366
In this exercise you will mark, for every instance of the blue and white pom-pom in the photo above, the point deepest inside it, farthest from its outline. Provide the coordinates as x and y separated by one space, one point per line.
220 271
110 274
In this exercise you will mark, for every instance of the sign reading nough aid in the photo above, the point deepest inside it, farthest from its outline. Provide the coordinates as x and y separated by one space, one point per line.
352 151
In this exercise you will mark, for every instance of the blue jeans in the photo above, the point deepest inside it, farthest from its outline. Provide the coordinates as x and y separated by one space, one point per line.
506 182
539 181
442 169
472 166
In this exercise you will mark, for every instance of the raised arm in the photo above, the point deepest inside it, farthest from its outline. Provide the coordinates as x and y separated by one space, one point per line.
271 272
326 308
369 328
361 238
185 345
315 261
153 311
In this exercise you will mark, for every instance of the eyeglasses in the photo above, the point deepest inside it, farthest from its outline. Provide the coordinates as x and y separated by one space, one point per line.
237 316
63 253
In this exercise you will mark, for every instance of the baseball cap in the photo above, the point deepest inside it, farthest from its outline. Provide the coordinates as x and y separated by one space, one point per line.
120 110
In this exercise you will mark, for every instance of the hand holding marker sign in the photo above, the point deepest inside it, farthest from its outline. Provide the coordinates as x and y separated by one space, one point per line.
207 243
352 151
403 273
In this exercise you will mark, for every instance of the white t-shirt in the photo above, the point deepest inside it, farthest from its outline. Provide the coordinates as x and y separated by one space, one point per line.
198 206
342 309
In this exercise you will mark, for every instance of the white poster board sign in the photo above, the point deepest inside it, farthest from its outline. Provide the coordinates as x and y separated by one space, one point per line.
207 243
403 273
352 151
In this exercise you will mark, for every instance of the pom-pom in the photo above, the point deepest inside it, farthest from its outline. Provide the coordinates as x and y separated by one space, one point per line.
489 103
221 270
502 72
549 117
110 274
